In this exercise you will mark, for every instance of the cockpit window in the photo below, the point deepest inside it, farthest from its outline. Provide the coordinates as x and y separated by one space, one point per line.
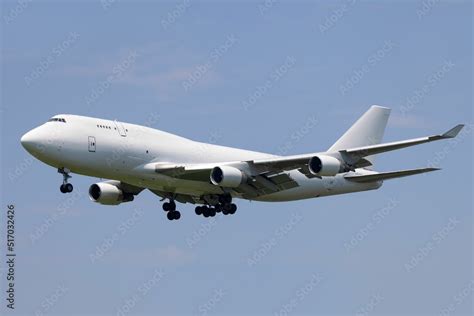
57 119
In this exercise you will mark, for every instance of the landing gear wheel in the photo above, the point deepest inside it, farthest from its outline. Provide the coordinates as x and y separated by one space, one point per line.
232 209
167 206
212 212
65 187
172 205
198 210
205 211
173 215
68 187
218 208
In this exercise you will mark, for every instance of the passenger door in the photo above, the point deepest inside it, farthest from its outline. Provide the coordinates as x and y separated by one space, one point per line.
122 131
91 144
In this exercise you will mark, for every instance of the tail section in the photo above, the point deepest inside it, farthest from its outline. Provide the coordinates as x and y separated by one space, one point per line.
368 130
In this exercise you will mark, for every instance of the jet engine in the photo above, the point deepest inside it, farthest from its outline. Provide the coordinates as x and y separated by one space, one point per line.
108 194
324 166
226 176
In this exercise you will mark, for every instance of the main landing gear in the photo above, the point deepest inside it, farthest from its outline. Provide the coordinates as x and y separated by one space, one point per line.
65 187
222 205
225 206
170 207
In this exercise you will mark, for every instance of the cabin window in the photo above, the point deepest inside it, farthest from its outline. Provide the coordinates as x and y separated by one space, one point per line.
105 126
57 119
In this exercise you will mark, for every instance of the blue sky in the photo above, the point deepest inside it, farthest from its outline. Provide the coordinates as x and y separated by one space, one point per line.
271 76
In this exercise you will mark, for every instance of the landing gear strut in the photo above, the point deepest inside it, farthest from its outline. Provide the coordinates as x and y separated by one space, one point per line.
170 207
65 187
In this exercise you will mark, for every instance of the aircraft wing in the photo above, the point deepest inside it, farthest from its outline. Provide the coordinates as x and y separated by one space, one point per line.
263 168
354 155
261 182
380 176
269 175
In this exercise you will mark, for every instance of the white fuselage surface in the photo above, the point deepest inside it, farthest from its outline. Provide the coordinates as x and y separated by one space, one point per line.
127 153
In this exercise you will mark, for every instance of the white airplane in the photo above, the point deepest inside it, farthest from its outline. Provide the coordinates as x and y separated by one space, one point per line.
178 169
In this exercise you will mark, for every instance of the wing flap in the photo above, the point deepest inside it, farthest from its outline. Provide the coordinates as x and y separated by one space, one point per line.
273 183
284 181
196 172
387 175
259 183
281 163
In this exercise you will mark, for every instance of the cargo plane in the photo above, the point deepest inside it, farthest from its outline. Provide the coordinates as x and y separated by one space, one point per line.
212 177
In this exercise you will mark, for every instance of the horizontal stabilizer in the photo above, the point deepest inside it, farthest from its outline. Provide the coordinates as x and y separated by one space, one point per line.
387 175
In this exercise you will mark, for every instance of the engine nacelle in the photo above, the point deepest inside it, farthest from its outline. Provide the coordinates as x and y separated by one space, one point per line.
226 176
324 166
108 194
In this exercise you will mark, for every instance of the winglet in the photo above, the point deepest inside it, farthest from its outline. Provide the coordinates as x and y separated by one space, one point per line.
453 132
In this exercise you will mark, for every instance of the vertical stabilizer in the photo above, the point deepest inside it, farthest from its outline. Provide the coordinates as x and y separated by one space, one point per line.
367 130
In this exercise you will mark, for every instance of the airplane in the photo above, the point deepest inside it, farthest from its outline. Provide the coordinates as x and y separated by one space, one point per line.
177 169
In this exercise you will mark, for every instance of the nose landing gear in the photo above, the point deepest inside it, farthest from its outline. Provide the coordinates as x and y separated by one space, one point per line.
65 187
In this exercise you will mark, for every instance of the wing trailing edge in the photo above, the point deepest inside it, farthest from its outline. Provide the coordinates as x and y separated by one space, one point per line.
387 175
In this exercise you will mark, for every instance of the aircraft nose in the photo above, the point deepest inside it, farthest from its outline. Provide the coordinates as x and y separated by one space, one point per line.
30 140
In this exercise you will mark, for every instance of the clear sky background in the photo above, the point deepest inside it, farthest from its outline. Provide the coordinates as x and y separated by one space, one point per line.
271 76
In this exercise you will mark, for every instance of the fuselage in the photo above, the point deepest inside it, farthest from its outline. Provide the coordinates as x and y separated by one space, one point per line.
115 150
